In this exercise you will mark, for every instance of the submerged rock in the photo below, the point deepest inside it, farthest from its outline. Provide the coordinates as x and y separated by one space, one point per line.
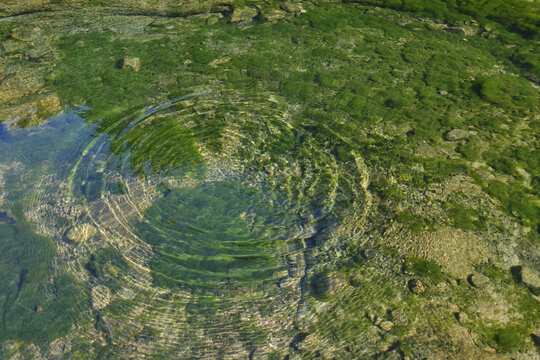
81 233
101 297
291 6
272 15
478 280
244 14
32 113
399 317
386 325
457 134
130 63
531 278
416 286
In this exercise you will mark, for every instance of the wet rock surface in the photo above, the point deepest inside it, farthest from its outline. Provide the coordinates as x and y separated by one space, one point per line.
479 280
243 14
531 278
457 134
81 233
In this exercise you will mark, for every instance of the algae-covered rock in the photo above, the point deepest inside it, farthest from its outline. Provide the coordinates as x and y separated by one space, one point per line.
416 286
101 297
457 134
272 15
131 63
244 14
326 284
13 7
386 325
531 278
479 280
81 233
291 6
22 83
32 112
48 106
148 7
399 317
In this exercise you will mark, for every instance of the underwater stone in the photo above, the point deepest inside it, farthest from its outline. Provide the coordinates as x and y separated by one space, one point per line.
479 280
274 15
531 278
48 106
399 317
244 14
23 34
81 233
101 297
19 85
457 134
386 325
213 18
291 6
416 286
131 64
32 112
335 281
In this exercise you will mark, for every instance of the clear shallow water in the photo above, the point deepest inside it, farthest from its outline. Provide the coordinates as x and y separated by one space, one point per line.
165 226
333 185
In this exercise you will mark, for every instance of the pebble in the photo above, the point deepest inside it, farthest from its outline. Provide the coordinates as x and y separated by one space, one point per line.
457 134
478 280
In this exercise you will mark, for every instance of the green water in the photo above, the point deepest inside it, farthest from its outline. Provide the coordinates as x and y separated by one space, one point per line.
202 236
291 189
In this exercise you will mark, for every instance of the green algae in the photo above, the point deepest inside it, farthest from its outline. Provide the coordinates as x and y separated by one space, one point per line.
108 266
508 91
380 95
37 305
424 268
203 236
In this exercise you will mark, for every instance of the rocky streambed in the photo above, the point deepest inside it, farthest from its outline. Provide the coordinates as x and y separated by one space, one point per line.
350 180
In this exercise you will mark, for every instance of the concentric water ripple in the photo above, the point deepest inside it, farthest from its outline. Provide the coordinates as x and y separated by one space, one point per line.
209 212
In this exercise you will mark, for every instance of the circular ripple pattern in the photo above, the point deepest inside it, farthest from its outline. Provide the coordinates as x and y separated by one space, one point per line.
214 233
210 210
